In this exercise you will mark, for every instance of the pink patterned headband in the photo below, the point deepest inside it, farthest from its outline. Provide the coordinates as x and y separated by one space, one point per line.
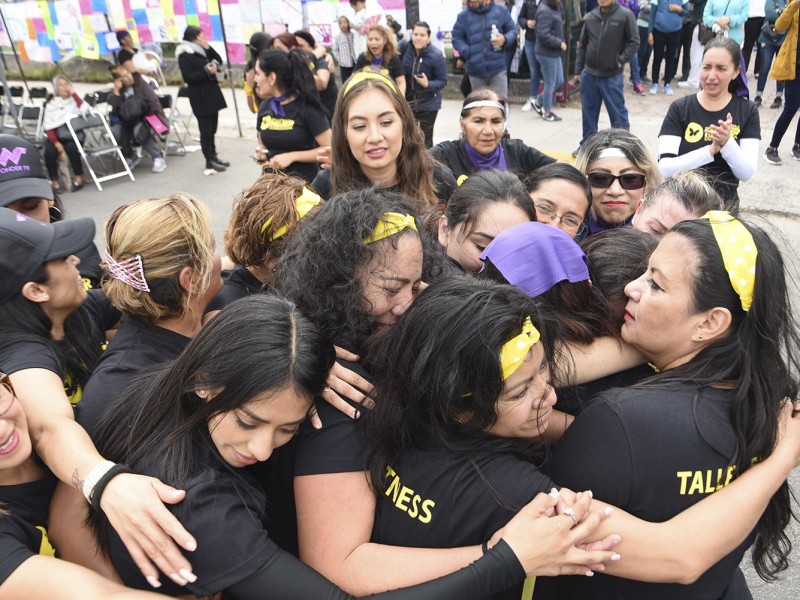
128 271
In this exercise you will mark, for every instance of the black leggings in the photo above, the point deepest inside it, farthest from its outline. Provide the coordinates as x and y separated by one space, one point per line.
426 121
208 128
51 158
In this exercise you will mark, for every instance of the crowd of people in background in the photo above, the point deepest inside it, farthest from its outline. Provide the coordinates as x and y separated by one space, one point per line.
410 346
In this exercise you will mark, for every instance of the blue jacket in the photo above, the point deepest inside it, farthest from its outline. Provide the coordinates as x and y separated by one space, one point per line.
549 31
662 19
430 61
472 38
737 10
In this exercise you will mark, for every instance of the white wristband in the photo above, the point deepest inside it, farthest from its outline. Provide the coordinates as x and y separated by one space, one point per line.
94 476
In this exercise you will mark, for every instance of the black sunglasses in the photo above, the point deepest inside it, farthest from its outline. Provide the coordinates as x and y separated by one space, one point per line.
628 181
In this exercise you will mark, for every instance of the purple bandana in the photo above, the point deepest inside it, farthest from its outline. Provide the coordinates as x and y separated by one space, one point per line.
276 106
534 257
496 159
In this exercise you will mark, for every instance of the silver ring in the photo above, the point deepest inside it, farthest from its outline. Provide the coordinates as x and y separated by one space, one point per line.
571 514
326 389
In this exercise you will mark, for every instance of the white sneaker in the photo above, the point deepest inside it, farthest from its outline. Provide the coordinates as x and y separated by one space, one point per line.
159 164
528 106
654 89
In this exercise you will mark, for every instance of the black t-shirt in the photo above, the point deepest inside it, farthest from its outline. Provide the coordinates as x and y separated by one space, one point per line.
236 283
336 448
521 159
440 499
23 530
223 511
294 132
649 451
444 184
38 354
136 346
577 398
393 70
689 121
90 267
125 55
331 91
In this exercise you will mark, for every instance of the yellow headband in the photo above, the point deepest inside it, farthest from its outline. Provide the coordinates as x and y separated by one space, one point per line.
303 203
739 253
516 349
391 223
363 76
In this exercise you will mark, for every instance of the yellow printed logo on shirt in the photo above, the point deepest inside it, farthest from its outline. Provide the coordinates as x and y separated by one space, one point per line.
276 123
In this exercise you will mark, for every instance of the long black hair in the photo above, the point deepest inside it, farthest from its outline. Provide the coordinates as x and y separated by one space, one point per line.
758 359
22 320
256 344
440 361
319 263
293 73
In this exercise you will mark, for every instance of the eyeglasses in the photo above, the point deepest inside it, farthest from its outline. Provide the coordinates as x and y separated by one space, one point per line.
6 394
628 181
546 214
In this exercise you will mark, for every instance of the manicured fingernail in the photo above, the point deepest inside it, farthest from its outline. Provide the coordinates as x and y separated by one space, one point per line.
356 414
178 579
191 545
554 493
191 577
590 573
591 495
153 581
607 510
615 557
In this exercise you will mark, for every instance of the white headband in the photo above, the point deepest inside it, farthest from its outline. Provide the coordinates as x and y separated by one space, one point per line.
611 153
479 103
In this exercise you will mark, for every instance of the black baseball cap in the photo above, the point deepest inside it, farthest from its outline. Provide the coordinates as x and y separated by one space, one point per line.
26 244
21 172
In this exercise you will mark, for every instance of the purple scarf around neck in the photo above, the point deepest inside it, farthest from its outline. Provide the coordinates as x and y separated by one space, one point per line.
377 62
496 159
276 106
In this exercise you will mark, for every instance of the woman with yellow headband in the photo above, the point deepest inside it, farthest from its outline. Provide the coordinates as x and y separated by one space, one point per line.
381 55
712 314
463 386
376 139
482 145
262 219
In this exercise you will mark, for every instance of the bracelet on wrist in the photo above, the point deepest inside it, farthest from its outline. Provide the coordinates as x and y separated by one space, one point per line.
99 488
93 477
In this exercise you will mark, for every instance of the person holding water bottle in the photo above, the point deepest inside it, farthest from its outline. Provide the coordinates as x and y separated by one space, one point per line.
426 76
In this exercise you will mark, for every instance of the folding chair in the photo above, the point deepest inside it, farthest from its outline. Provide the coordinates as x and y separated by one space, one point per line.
30 122
184 119
98 144
17 93
37 93
174 141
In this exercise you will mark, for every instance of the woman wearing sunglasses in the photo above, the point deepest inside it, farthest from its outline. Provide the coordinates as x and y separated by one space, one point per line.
620 171
714 130
28 567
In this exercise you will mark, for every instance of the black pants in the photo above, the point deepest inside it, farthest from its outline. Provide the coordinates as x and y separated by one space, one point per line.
51 158
426 121
752 29
665 45
345 73
208 128
685 49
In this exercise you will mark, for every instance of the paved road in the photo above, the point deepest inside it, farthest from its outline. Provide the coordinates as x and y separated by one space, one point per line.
773 192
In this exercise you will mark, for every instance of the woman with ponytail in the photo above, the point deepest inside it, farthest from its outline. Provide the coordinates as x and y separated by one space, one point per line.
292 122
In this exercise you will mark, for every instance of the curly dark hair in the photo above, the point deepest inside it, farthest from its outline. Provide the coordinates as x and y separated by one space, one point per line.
318 267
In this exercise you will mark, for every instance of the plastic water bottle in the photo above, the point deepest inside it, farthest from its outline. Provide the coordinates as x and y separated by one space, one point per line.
495 33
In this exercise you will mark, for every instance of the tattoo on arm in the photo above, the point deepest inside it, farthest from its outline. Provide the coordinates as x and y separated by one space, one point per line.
77 481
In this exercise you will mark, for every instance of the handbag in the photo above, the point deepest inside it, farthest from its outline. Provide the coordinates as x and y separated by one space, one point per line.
768 29
706 34
63 134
